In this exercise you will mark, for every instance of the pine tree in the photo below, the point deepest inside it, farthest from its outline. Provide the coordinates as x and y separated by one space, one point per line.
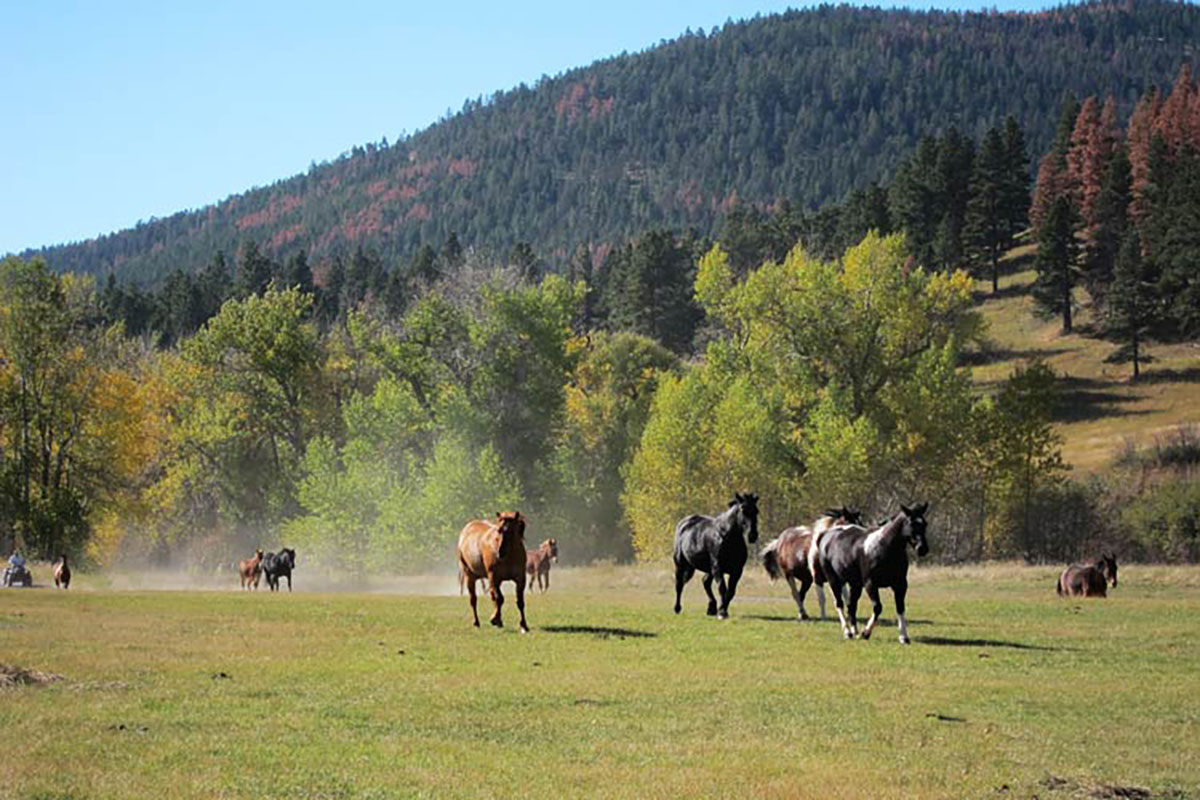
1056 261
1133 306
956 155
1015 203
987 229
916 203
297 272
1110 223
255 270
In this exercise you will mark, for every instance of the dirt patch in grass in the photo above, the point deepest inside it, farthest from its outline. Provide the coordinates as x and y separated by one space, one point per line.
13 677
1106 791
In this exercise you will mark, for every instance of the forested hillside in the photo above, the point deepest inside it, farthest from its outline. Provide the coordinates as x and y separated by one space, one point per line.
802 107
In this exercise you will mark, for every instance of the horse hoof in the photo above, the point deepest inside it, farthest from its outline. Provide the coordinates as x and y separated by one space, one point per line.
722 616
497 623
678 609
476 623
904 640
865 636
524 629
712 611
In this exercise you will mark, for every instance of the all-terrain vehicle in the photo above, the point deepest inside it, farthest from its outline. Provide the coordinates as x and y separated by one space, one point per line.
17 575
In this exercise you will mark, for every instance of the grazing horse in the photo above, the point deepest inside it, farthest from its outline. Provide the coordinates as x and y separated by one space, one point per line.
279 566
537 563
62 573
714 545
790 556
851 556
1088 580
250 570
494 550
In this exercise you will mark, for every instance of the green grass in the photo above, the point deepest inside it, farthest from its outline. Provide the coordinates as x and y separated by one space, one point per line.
1102 409
1007 691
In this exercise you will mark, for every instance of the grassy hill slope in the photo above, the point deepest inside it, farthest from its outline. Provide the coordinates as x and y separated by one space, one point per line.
1102 409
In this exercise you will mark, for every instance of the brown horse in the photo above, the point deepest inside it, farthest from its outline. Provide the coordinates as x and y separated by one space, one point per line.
496 551
537 563
250 570
1088 580
62 573
790 556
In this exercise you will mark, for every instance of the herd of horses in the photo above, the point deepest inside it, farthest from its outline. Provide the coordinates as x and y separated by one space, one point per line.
272 566
838 549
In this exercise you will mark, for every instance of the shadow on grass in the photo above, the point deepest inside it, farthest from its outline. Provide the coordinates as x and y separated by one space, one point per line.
1088 399
599 631
995 354
1188 375
945 641
830 620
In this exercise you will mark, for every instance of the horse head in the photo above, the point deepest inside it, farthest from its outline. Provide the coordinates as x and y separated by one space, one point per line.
747 508
511 527
1108 566
914 531
844 516
553 549
288 555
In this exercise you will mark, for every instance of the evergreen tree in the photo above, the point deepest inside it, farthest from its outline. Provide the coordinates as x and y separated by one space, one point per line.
255 270
1015 204
425 265
298 274
988 231
1056 261
1133 306
956 155
524 259
916 202
1109 225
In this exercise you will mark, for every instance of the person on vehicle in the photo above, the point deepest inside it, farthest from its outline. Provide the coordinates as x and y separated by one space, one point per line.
16 559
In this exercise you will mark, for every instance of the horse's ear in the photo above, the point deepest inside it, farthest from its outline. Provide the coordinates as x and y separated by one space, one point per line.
907 511
921 509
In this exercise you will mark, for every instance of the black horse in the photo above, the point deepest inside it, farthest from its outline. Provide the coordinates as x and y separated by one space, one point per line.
279 566
872 560
714 545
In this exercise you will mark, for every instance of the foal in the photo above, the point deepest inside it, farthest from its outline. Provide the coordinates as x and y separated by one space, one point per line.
537 563
789 556
1087 580
250 570
851 556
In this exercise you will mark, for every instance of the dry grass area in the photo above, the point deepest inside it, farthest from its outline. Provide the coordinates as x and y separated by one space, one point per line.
1103 410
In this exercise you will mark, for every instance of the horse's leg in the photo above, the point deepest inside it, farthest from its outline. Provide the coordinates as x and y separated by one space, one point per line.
683 574
289 576
712 601
900 590
835 586
727 595
521 604
876 609
547 579
797 594
852 606
470 579
498 600
821 599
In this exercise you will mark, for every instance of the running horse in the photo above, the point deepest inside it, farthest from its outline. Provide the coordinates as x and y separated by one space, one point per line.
62 573
714 546
537 563
279 566
494 550
1088 580
250 570
850 555
790 555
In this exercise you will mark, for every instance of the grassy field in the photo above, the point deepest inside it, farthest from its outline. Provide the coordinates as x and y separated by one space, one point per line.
1007 691
1102 409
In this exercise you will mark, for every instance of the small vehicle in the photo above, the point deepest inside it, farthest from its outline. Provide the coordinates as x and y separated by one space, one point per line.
17 575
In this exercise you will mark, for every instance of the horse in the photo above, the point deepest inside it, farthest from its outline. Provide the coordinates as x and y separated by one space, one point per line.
62 573
462 580
849 555
279 566
250 570
714 545
789 555
1088 580
494 550
537 563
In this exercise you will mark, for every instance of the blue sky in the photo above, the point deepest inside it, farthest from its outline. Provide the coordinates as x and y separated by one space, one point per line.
114 112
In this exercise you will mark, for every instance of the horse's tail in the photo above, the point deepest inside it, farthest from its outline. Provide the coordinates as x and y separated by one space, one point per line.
1058 584
770 559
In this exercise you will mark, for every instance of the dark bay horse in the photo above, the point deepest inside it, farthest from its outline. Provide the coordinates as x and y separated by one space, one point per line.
790 555
714 545
850 555
537 563
250 570
494 550
1088 580
279 566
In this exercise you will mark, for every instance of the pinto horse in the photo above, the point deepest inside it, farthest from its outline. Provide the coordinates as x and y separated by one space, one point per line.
849 555
1088 580
250 570
496 551
537 563
789 556
62 573
279 566
714 545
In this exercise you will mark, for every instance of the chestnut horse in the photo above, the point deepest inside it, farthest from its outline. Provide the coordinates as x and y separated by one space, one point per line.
496 551
789 556
250 570
537 563
62 573
1087 580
